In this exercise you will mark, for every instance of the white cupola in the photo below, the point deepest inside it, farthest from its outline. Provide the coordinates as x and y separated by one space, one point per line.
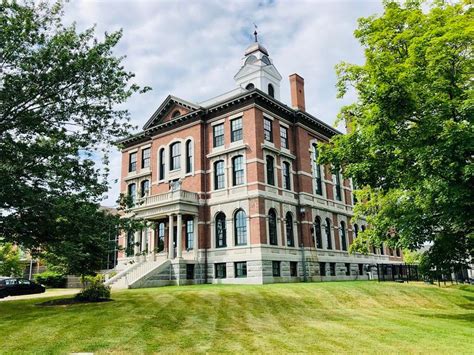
258 71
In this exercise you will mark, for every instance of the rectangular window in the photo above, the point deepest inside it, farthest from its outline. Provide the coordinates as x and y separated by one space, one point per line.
132 192
189 234
162 163
238 170
132 162
322 269
218 135
361 269
236 130
332 267
317 172
270 171
268 130
220 271
240 269
348 269
293 269
219 177
286 176
189 271
175 154
284 137
189 157
146 157
338 187
276 268
145 188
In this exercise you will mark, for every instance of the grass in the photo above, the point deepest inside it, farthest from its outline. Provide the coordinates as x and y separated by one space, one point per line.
349 317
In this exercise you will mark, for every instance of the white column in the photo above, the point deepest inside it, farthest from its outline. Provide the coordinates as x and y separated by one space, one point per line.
152 236
170 237
143 236
196 236
179 244
136 248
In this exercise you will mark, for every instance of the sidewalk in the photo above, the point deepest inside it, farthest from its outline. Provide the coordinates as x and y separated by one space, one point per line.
51 292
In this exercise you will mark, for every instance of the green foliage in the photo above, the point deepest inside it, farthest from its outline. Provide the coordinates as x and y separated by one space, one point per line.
60 96
10 264
51 279
95 290
410 143
412 257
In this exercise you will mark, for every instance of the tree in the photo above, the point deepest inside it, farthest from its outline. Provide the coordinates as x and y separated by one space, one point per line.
410 139
10 263
60 91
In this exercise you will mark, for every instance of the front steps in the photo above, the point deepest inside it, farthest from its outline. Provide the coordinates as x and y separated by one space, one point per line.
135 276
162 272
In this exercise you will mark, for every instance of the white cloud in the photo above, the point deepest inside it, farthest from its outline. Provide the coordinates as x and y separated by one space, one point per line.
193 49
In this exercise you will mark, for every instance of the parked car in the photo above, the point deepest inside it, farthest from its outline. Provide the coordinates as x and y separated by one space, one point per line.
12 286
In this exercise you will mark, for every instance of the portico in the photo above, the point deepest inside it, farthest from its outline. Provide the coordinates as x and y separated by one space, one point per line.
171 230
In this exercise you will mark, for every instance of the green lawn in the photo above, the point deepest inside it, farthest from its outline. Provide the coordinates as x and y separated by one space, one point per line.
345 317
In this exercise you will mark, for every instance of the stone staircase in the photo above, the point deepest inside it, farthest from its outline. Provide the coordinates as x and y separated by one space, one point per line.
134 275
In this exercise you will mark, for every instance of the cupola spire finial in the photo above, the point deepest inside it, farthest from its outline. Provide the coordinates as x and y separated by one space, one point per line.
255 33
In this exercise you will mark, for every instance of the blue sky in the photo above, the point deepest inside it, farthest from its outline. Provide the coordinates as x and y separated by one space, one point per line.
192 49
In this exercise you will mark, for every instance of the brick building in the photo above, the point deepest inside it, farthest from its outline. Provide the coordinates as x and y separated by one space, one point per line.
232 192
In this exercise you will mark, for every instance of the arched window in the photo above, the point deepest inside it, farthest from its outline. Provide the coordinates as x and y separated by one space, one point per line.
162 164
144 188
237 170
318 234
356 230
318 185
270 170
132 192
251 59
272 227
189 156
176 113
328 233
286 175
240 228
219 177
397 251
221 239
382 251
343 236
175 156
290 240
161 237
250 86
271 90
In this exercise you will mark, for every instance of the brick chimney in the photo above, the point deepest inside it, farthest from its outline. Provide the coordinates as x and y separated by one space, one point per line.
297 92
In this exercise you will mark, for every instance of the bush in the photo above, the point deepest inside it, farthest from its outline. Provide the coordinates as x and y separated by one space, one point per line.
95 290
51 279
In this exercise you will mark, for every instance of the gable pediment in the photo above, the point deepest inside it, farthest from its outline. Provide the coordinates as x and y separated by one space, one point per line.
168 111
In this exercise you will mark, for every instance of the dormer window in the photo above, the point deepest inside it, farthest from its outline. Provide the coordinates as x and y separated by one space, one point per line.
271 90
250 86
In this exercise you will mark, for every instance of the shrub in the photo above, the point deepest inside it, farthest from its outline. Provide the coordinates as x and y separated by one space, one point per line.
95 290
51 279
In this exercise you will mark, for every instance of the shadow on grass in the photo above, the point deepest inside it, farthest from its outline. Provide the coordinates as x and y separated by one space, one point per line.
465 317
69 302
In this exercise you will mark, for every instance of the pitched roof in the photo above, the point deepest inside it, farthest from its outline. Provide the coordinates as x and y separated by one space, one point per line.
164 107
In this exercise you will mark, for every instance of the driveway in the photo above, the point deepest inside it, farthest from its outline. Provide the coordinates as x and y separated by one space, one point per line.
51 292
